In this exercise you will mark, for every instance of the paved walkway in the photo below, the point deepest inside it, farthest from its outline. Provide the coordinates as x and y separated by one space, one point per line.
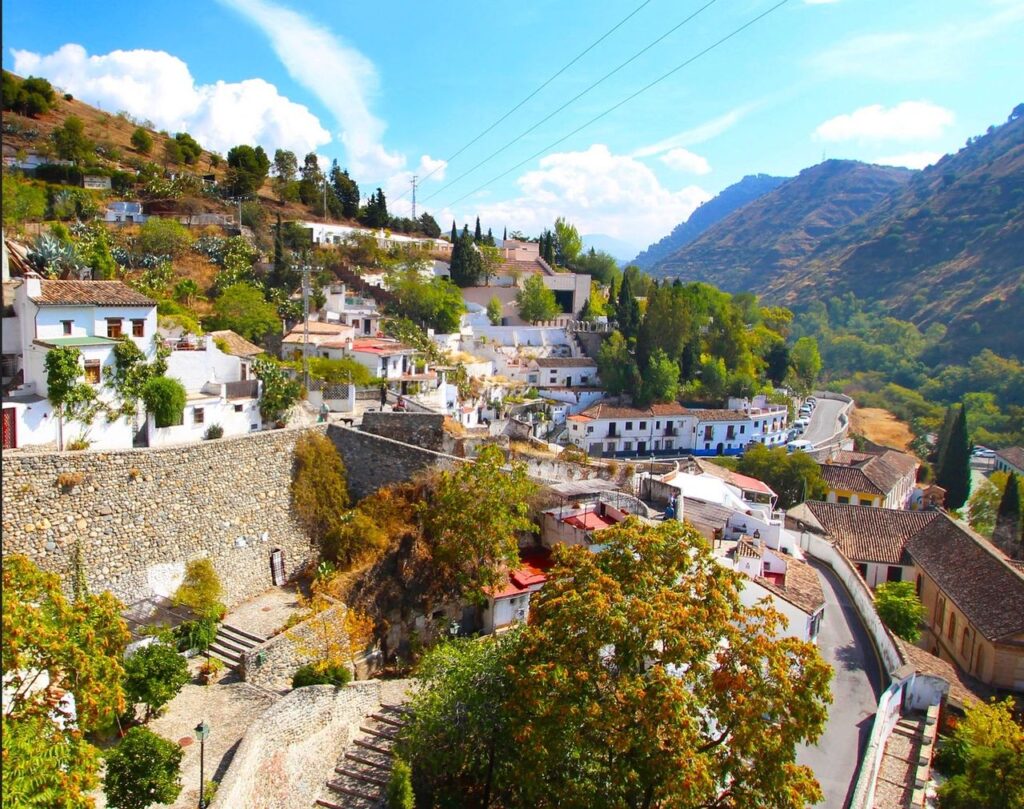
824 421
856 687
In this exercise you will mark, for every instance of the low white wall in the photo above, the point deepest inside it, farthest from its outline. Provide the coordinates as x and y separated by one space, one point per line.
288 753
886 717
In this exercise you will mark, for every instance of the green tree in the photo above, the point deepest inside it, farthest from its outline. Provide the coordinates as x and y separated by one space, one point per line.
99 258
478 234
954 470
341 371
320 490
31 97
242 309
466 263
660 380
777 361
616 366
165 399
900 609
70 141
131 372
200 590
794 476
490 261
79 646
535 301
22 201
142 770
599 265
494 311
247 169
627 310
567 242
72 400
154 674
346 190
435 304
985 759
191 151
142 141
1007 531
399 794
279 393
806 363
163 237
473 520
376 213
173 153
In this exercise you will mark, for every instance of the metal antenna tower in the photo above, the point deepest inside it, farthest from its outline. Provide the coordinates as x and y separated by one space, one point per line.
414 179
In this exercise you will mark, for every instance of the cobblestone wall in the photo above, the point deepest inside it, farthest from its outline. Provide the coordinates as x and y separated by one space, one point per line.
288 753
425 430
272 663
139 515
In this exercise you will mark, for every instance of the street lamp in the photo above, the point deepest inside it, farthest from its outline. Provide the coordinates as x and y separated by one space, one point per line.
202 731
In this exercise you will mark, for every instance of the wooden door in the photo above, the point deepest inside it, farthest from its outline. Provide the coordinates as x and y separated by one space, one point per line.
277 566
10 428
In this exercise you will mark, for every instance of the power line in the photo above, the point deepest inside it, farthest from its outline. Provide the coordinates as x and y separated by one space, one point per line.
554 76
575 98
611 109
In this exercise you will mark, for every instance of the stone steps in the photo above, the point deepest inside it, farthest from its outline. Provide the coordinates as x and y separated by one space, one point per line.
231 643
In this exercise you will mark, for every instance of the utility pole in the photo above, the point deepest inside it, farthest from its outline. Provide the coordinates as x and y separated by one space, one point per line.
414 179
305 324
325 200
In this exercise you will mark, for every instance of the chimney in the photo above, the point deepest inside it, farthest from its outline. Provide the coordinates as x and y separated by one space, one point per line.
33 284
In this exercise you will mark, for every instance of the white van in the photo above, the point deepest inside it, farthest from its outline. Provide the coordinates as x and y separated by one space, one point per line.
799 446
801 424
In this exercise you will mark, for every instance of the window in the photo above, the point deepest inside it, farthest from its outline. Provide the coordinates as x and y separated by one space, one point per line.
709 432
238 408
643 425
843 499
198 415
951 629
629 425
628 446
895 573
66 326
590 429
657 425
113 327
707 445
963 640
917 587
92 372
863 570
743 428
138 328
940 612
669 444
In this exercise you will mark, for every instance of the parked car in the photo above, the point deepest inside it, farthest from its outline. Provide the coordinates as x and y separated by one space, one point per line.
799 446
983 452
811 401
801 424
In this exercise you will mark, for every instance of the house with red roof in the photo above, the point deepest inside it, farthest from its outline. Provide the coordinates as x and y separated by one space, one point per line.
509 604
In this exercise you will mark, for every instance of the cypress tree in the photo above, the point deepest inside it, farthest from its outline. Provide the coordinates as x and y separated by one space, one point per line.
280 269
477 233
954 470
627 310
1007 533
505 236
942 440
490 238
455 233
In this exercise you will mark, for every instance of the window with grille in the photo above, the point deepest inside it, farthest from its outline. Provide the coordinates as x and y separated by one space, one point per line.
138 328
92 372
198 415
114 327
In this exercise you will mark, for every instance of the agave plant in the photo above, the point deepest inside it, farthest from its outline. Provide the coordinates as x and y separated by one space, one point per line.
55 258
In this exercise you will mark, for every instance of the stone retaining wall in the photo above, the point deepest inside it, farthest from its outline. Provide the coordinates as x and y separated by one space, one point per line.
289 752
425 430
139 515
272 663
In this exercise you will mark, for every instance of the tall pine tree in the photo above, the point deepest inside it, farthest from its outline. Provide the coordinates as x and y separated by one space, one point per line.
627 310
1007 533
455 234
466 265
477 233
954 470
942 440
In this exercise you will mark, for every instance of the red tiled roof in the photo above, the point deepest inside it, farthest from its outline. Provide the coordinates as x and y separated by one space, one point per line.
589 521
534 564
1013 456
868 472
380 346
868 534
604 410
89 293
565 362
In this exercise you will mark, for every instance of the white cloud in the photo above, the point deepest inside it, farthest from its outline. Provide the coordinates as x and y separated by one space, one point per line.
910 120
698 134
910 160
157 86
338 74
596 190
922 54
684 160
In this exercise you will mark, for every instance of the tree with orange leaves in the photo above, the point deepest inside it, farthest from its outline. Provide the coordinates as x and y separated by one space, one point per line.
642 681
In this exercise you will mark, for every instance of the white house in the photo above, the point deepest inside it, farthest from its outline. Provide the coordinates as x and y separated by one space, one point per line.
124 212
308 339
509 604
563 372
614 430
323 233
91 316
383 357
351 310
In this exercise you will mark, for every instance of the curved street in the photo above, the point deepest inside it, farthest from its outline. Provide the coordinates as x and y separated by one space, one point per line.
857 683
824 421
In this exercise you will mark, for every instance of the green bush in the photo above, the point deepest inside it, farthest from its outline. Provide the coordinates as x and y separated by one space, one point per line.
214 431
400 794
165 399
313 674
200 590
198 634
142 770
153 675
58 173
164 237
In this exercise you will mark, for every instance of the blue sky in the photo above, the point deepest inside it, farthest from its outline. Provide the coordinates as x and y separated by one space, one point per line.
395 89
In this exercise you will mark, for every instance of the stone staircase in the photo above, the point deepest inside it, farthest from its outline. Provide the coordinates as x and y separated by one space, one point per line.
365 767
231 643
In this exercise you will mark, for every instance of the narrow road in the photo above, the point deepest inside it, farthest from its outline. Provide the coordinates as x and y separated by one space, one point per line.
824 421
857 683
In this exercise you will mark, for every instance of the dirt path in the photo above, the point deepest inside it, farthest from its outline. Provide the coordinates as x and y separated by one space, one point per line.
881 426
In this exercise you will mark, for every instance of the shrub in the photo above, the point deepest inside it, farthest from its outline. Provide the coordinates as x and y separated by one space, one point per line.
153 675
59 173
319 488
198 634
316 674
142 770
400 795
209 671
213 431
165 399
200 590
900 609
78 444
164 237
68 480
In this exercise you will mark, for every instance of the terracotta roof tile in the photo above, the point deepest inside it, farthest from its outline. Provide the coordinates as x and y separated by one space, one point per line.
1013 456
802 587
237 345
90 293
868 472
973 574
961 689
565 362
868 534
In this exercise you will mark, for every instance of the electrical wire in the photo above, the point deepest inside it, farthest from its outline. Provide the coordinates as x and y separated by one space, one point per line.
629 98
572 100
562 70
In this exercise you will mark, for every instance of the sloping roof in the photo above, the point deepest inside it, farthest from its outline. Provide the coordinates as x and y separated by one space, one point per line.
961 689
237 345
802 587
867 534
81 340
744 482
608 410
868 472
90 293
565 362
702 514
974 575
1013 456
720 415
